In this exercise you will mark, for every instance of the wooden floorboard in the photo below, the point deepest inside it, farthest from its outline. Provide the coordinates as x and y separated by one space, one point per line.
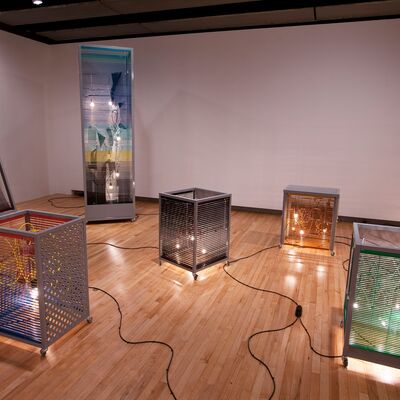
207 322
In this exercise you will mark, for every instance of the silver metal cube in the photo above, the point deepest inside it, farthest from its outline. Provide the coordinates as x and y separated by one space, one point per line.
309 217
194 228
43 276
372 302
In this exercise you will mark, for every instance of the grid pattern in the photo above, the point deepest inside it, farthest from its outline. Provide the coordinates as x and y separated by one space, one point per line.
177 231
43 276
376 307
194 228
309 220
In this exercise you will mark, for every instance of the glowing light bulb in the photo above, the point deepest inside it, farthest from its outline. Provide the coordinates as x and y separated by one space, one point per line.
110 103
91 104
204 251
301 232
192 238
117 174
35 293
37 2
178 246
355 305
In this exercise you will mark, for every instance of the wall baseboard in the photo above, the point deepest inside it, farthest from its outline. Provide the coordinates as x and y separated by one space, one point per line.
342 218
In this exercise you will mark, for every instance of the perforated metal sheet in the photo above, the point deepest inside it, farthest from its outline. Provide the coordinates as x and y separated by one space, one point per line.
372 303
376 307
43 275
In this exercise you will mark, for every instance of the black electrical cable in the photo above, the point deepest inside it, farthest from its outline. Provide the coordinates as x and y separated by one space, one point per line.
51 201
253 254
346 244
343 237
140 341
259 359
298 314
311 346
123 247
260 289
147 214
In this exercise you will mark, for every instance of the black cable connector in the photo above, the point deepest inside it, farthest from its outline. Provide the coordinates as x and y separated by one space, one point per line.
299 311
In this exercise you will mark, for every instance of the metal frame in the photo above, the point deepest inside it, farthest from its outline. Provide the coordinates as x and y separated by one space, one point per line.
175 195
106 212
45 301
358 244
3 177
311 191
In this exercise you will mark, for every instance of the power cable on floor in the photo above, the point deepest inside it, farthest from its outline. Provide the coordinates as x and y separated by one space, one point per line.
122 247
51 201
140 341
298 314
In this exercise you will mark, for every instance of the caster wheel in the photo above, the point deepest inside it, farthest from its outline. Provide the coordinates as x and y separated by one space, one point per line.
195 276
332 253
345 361
89 320
43 352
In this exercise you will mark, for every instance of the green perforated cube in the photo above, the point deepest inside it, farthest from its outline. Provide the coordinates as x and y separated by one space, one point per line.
372 303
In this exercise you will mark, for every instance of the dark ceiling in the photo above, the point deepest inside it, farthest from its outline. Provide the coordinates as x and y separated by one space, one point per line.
61 21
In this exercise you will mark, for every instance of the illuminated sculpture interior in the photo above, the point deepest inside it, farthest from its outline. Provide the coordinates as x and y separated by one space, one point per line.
43 276
194 228
106 98
309 217
372 304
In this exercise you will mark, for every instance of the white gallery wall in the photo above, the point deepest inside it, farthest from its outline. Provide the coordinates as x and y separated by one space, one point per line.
248 112
23 149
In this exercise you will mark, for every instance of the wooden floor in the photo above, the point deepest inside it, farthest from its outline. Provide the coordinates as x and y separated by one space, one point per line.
207 322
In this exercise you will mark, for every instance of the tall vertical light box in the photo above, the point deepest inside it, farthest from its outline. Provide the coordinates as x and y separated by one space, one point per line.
106 77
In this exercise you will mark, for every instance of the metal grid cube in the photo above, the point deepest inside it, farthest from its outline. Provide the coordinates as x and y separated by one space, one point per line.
194 228
43 276
309 217
372 302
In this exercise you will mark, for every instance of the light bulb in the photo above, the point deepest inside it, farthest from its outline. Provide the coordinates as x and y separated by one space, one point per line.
117 174
37 2
91 104
178 246
301 232
35 293
110 103
204 251
355 305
